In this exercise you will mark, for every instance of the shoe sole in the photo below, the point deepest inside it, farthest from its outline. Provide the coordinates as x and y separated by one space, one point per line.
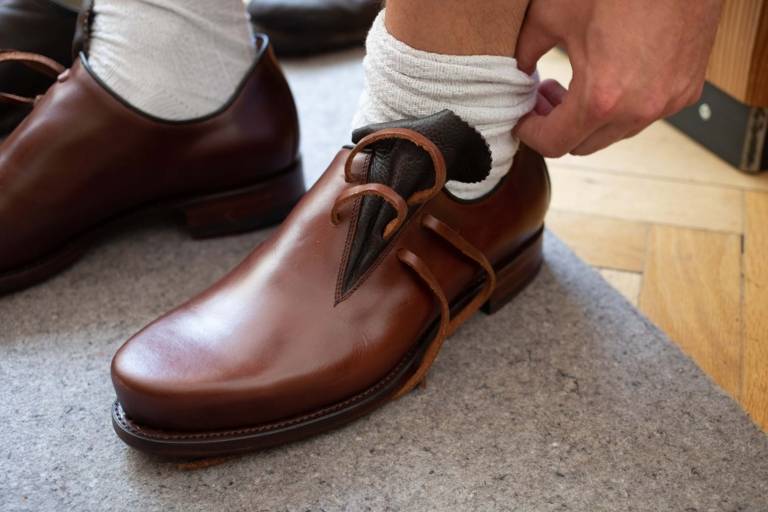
512 277
259 205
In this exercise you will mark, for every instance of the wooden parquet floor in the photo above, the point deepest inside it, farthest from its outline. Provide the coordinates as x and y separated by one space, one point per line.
683 236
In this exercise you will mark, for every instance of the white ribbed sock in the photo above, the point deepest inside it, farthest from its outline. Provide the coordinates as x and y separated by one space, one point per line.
174 59
489 92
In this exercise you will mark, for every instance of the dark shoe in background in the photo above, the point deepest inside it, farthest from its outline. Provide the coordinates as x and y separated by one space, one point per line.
307 27
37 26
84 162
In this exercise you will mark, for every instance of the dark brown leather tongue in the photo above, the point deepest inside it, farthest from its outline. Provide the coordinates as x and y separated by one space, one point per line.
404 167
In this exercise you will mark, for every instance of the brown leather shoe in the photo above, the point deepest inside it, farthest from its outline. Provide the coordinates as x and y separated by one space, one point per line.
38 26
84 161
346 306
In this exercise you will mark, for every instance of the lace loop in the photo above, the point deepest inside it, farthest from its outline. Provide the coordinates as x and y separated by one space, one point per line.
383 191
447 325
438 162
387 193
39 63
474 254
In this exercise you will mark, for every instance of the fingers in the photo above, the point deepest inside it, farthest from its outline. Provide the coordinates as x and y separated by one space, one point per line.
636 117
689 96
549 95
543 106
602 138
587 119
563 128
532 43
555 134
552 91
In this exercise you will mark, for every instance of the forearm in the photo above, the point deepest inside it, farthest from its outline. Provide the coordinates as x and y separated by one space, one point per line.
457 27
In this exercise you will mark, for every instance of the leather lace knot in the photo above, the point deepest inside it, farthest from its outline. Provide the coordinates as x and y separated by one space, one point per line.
387 193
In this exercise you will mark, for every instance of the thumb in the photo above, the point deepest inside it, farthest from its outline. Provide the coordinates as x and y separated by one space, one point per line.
557 132
532 43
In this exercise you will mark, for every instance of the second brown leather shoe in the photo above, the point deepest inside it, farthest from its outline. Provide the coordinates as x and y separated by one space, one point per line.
308 27
84 162
346 306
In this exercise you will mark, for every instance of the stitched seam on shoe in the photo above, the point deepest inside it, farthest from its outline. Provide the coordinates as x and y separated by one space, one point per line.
376 262
121 417
384 252
338 296
355 219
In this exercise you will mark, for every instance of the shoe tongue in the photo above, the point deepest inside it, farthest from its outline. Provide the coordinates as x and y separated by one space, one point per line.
407 169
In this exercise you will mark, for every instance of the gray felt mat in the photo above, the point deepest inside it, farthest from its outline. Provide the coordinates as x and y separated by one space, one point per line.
567 399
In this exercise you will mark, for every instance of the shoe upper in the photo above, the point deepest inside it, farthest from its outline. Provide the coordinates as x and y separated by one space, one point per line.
38 26
284 333
83 157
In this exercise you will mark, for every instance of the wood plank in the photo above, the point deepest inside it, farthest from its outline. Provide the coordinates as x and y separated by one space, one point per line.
736 64
646 200
602 241
692 289
757 91
626 283
755 382
665 152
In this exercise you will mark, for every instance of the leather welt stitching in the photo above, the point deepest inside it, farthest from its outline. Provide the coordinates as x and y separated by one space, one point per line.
122 418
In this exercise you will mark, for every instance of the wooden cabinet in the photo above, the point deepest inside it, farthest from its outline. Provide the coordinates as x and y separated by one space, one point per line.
739 63
731 119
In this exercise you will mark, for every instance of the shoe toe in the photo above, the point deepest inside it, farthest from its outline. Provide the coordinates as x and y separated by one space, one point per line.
168 377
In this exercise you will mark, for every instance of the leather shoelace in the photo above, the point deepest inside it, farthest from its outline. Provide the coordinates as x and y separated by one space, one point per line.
34 61
447 324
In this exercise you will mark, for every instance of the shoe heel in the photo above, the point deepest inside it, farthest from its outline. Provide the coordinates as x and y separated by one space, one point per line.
517 274
258 206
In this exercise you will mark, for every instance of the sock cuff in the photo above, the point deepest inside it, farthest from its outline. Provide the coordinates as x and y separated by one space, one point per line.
483 89
495 70
487 91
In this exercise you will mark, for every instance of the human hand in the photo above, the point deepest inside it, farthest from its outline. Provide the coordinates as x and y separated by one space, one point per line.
634 61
